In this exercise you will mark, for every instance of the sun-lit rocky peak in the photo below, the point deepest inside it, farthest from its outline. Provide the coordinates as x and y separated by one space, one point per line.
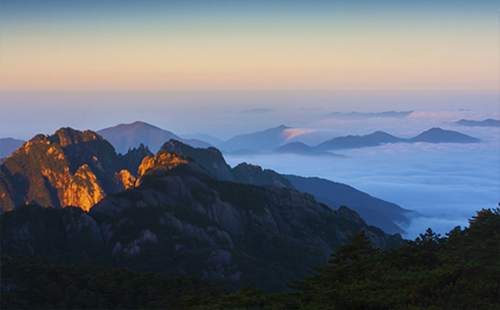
83 190
67 136
126 178
163 160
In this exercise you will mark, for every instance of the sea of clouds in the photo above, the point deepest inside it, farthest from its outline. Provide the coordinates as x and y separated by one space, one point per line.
446 183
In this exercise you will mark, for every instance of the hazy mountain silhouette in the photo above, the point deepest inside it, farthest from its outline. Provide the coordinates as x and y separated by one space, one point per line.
353 142
433 135
486 123
438 135
126 136
260 141
9 146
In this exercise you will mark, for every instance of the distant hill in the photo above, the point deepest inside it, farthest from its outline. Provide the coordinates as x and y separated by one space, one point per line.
9 146
486 123
353 142
433 135
260 141
359 116
126 136
438 135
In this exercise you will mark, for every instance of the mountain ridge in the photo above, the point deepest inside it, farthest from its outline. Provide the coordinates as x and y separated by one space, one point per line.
126 136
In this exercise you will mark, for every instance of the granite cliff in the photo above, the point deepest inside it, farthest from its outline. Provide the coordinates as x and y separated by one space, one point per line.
68 168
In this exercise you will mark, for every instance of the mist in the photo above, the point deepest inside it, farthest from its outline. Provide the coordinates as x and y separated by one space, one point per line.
446 183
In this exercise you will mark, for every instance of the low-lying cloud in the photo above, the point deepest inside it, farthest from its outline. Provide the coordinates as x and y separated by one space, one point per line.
446 183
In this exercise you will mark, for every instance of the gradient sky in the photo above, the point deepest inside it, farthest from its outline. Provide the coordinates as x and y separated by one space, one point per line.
119 45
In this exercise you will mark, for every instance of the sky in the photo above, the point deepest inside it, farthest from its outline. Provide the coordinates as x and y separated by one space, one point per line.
61 45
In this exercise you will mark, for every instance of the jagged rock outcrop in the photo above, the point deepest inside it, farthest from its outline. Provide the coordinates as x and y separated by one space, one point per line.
83 189
209 158
68 168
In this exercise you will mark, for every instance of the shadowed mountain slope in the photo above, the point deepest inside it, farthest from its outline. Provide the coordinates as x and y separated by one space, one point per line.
375 211
385 215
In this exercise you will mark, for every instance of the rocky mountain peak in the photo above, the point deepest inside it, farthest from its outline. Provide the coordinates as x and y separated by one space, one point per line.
67 136
163 159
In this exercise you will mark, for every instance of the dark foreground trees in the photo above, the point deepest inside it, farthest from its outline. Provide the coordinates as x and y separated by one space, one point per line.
458 271
31 284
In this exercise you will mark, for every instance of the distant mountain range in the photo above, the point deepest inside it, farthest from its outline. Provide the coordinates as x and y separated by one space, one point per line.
259 141
486 123
279 139
127 136
433 135
181 212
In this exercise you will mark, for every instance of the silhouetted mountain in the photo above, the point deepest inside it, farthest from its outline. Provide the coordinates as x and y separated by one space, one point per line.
434 135
385 215
486 123
9 146
438 135
126 136
260 141
353 142
359 116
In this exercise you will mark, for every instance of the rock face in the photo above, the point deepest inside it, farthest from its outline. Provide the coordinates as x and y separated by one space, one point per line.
223 230
68 168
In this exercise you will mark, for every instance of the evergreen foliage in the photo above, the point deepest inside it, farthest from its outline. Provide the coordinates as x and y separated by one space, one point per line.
459 271
31 284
